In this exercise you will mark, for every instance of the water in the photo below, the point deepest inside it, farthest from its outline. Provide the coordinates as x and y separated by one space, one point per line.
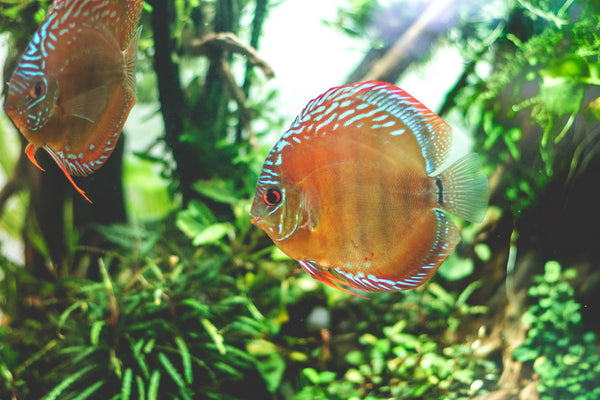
171 291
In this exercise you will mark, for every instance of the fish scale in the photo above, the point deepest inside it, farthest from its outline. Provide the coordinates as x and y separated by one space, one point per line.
74 86
354 200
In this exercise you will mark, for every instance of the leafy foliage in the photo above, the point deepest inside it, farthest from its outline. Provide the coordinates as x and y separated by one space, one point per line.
564 356
409 365
162 329
533 71
198 304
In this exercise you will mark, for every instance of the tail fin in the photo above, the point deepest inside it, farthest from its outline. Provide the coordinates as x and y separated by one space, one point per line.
463 189
130 55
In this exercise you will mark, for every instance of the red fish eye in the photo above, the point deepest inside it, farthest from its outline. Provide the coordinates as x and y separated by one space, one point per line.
38 90
272 196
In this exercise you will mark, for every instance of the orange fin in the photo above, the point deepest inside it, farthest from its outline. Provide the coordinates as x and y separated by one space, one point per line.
62 167
328 278
30 151
87 105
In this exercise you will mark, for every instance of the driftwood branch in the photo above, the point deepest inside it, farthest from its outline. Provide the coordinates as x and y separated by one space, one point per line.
406 46
230 42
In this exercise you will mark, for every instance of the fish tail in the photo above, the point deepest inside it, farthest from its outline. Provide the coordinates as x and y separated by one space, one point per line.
130 55
462 189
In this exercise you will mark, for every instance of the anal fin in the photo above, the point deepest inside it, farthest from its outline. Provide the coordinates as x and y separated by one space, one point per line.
327 277
63 168
30 151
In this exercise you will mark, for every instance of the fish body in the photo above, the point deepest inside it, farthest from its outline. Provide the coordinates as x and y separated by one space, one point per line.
355 189
75 85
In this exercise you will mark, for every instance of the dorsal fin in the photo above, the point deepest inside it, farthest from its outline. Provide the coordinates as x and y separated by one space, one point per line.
352 104
131 10
120 17
431 131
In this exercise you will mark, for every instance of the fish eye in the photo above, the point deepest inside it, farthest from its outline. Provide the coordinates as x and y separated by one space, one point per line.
272 196
38 90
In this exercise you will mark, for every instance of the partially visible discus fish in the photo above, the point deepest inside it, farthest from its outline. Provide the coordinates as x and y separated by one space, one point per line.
75 83
357 192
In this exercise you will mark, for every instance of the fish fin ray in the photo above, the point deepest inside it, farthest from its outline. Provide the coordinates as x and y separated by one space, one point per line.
87 105
130 55
433 134
326 277
464 189
431 131
310 208
131 9
30 151
447 237
61 164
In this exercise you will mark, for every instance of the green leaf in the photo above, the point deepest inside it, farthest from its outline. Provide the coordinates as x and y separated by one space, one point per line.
483 252
186 360
89 391
270 363
147 192
552 271
36 356
327 376
215 335
5 372
312 375
95 332
65 383
154 384
126 384
140 387
456 268
467 292
67 312
171 370
197 305
139 357
212 234
354 357
216 190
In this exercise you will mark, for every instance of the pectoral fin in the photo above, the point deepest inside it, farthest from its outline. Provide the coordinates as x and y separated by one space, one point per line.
87 105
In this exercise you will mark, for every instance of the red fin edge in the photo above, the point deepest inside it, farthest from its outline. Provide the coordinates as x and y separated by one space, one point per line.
62 167
30 151
328 278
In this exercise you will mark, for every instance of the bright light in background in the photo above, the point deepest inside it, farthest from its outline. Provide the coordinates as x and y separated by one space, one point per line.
307 56
430 82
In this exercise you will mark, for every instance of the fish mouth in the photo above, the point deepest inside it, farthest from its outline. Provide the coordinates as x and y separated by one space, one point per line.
254 219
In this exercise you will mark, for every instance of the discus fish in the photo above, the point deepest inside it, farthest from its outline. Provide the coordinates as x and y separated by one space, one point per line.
75 83
356 190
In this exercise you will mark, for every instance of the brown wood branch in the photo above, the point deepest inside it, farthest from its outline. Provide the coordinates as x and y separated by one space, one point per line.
404 46
238 95
230 42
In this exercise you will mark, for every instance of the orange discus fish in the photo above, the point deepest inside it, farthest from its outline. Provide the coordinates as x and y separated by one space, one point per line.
75 83
355 190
